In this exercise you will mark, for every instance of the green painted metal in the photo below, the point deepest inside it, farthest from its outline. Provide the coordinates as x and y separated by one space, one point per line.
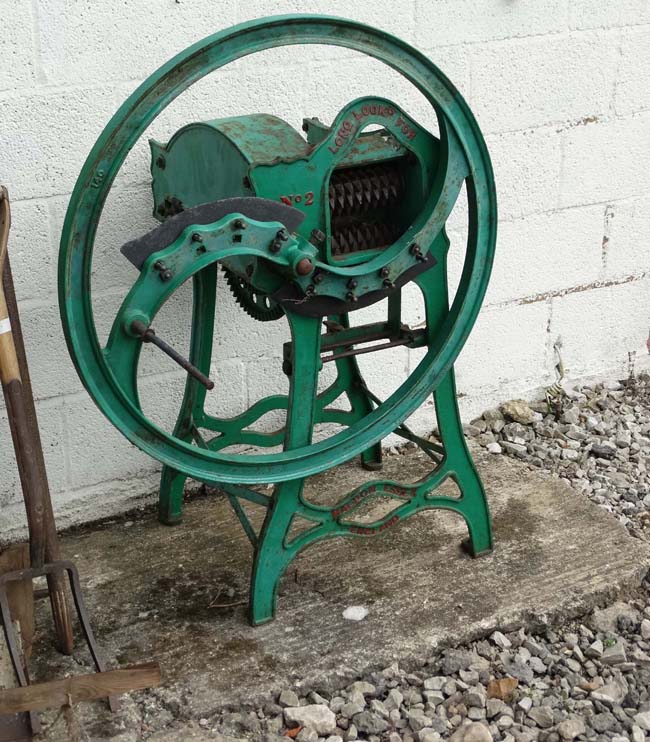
261 155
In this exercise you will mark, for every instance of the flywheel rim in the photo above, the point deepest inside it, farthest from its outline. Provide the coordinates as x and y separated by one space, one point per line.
106 158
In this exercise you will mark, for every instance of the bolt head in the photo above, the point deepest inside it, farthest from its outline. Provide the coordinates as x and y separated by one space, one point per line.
318 235
304 267
384 272
239 224
196 237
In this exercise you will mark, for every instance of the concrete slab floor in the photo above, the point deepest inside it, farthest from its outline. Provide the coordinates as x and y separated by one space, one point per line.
178 594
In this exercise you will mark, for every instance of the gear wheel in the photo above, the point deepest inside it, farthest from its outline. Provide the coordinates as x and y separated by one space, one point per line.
258 306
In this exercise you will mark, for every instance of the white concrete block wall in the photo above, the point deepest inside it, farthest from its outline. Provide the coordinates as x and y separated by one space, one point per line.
561 89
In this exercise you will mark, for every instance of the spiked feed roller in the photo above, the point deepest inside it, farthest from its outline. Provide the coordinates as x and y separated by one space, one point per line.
308 229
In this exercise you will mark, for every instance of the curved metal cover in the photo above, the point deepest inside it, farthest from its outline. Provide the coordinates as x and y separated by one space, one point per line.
259 209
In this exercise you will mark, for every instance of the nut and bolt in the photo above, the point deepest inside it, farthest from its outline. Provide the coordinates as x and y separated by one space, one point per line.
275 246
282 235
304 267
352 283
239 224
350 296
416 251
317 235
318 277
196 237
388 283
165 273
384 272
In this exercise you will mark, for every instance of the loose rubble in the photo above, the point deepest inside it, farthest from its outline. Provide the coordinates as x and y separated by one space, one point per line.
596 438
587 681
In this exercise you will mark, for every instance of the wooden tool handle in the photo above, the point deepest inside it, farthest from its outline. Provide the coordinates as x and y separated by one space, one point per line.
37 488
9 370
16 409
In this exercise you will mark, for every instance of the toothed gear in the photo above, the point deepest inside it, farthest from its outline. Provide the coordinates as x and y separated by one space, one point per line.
257 306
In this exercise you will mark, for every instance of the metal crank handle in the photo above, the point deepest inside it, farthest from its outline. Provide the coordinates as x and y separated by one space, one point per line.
148 335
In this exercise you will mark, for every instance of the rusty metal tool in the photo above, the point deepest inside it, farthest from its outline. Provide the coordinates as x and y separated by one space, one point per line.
44 554
23 422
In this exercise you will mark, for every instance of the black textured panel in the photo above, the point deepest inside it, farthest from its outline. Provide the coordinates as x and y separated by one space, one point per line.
259 209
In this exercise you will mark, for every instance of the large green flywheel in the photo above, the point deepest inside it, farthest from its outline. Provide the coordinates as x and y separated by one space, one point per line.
320 226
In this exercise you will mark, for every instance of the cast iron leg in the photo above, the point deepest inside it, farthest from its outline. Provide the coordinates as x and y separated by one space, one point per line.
272 555
459 461
172 482
170 502
474 507
371 457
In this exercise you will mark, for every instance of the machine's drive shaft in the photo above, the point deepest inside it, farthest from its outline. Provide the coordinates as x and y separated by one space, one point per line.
148 335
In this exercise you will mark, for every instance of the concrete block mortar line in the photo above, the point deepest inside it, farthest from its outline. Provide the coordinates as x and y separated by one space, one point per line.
573 207
68 422
558 293
617 72
36 35
420 5
560 180
549 349
60 86
607 229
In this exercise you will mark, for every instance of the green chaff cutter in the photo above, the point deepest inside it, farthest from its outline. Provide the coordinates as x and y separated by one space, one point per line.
307 228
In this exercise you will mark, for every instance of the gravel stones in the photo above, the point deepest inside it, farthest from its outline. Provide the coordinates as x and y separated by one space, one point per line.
370 723
645 629
500 640
642 720
472 733
316 717
595 437
603 722
614 654
455 660
520 411
542 716
288 698
571 728
604 450
611 694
